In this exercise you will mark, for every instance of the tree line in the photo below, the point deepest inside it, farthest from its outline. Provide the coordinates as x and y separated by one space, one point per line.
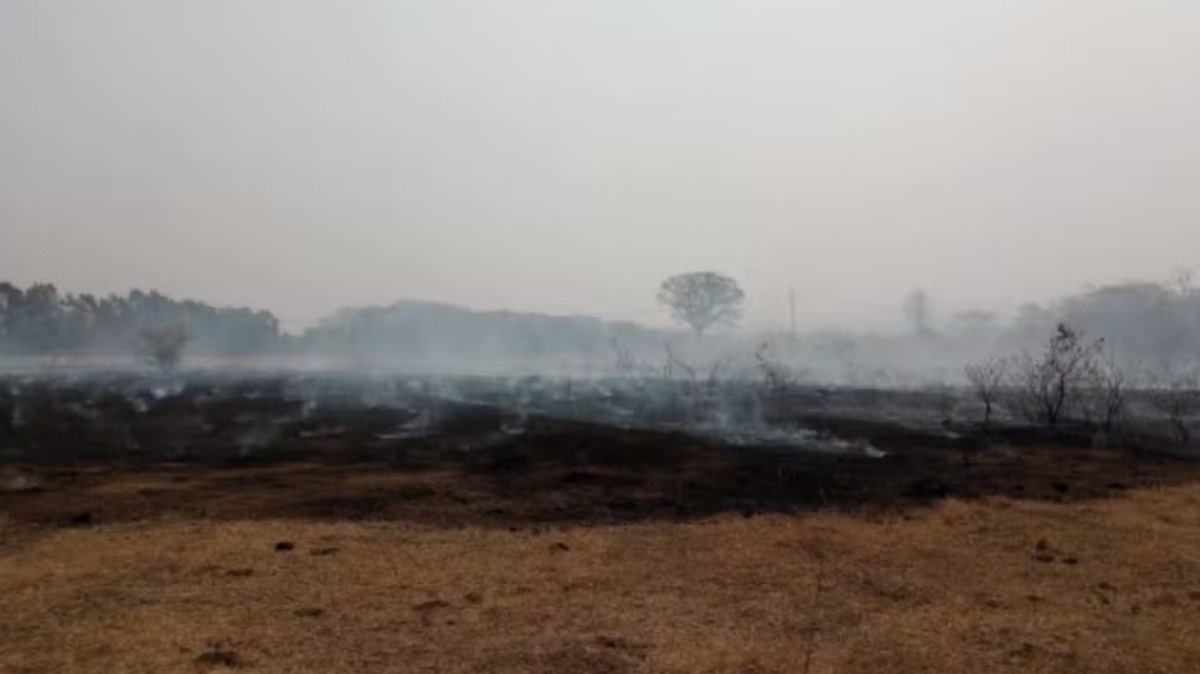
1157 324
40 320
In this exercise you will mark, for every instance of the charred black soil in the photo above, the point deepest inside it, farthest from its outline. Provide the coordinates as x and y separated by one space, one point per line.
78 455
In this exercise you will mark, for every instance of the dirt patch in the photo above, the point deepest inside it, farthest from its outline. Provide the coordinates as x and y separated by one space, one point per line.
216 659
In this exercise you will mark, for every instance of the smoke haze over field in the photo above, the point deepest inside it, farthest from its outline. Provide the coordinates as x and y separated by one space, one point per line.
565 157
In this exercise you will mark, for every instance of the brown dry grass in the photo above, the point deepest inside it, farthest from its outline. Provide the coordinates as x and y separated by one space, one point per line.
986 586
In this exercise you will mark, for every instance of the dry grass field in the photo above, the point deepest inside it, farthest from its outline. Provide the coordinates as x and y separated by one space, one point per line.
988 585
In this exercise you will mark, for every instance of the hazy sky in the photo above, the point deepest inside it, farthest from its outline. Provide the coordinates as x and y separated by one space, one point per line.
565 155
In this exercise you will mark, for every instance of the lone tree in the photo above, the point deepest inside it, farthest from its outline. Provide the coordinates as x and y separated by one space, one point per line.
164 346
702 300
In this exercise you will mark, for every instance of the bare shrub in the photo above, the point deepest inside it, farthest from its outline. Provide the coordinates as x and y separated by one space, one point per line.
625 362
987 382
674 364
1176 395
777 376
1049 384
1106 394
700 389
946 399
675 368
164 346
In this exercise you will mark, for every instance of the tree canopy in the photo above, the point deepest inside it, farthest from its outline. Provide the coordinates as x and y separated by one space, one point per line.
702 300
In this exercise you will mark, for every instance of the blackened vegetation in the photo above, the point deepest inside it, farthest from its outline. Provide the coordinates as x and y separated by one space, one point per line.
270 448
1077 386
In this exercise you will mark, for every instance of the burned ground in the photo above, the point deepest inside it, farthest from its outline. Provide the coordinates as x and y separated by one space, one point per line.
552 471
217 527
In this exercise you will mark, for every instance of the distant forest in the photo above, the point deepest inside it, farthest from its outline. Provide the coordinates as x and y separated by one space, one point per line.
39 320
1147 321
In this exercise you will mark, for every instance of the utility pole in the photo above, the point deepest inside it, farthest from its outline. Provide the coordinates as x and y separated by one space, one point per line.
792 304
